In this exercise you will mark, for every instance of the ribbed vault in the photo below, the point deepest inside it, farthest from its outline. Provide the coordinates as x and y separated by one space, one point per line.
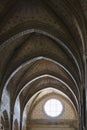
42 45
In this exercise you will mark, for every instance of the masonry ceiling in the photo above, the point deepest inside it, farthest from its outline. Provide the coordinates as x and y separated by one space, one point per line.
43 43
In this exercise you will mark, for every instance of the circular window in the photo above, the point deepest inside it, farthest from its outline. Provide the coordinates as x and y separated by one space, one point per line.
53 107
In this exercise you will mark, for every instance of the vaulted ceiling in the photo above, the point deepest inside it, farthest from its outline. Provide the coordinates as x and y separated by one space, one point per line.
43 43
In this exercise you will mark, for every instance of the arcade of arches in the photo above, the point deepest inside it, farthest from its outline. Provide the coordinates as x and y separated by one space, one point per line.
43 61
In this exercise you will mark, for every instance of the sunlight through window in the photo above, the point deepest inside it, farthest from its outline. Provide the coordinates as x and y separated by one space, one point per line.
53 107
